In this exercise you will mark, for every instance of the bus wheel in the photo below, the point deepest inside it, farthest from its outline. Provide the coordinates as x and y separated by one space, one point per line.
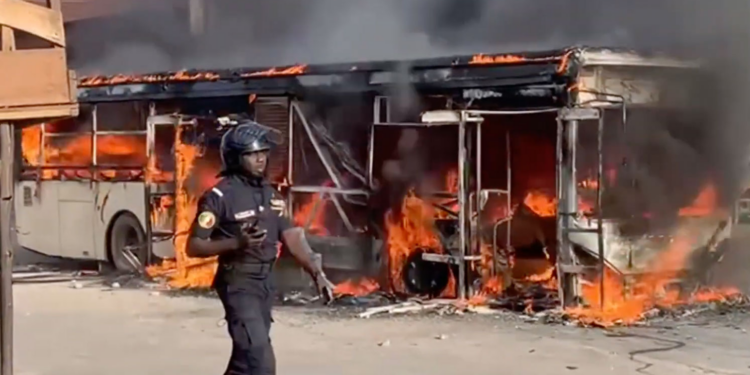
127 244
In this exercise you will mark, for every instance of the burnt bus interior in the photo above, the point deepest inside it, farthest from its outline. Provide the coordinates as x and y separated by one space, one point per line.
378 188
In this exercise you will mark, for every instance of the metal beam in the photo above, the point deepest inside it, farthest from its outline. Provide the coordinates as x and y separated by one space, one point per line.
322 156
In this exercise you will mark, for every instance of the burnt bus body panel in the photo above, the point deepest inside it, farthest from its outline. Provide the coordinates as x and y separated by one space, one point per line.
431 75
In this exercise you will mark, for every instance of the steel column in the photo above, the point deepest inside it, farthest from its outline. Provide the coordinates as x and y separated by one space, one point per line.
599 213
567 207
462 188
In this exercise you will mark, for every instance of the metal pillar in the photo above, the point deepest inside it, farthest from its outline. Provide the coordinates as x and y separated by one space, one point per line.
463 177
567 206
567 138
6 246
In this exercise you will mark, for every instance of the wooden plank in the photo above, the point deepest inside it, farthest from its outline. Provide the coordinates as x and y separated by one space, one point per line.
34 77
43 22
7 38
38 112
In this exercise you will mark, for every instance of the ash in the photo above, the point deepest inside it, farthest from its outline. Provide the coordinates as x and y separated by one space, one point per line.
533 306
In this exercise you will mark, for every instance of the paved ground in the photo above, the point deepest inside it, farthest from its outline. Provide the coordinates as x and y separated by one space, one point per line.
62 330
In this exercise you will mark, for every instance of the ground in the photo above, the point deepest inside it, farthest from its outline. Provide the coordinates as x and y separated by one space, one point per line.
64 330
61 329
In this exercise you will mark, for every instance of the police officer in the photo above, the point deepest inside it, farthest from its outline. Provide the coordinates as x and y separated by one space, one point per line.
241 220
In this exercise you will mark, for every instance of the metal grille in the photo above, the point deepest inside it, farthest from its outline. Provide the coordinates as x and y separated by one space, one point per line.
274 112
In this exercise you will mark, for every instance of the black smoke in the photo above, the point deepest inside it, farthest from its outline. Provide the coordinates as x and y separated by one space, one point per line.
261 33
252 33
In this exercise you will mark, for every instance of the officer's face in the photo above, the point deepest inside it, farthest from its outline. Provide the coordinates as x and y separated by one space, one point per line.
255 163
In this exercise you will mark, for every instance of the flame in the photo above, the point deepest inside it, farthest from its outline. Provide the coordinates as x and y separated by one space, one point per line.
185 272
118 156
704 204
496 59
154 174
412 229
623 305
545 205
361 287
408 231
160 213
564 63
451 181
542 204
290 71
119 79
31 144
450 186
305 215
491 287
482 59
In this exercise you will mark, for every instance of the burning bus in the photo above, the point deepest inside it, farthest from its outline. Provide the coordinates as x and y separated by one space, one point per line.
455 177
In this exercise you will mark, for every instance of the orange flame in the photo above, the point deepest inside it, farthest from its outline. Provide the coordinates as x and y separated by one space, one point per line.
118 79
160 214
652 289
73 154
496 59
704 204
185 272
542 204
290 71
305 215
356 288
408 232
482 59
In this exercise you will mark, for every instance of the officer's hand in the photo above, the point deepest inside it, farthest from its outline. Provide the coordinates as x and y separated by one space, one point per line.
325 287
251 237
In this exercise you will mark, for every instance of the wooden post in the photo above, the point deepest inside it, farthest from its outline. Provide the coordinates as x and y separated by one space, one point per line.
34 84
6 246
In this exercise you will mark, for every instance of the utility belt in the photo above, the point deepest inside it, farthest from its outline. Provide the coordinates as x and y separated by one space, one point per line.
258 271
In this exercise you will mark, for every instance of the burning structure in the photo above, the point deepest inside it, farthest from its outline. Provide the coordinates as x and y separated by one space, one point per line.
466 177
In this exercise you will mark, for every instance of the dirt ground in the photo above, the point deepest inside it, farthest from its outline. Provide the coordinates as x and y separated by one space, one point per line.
94 330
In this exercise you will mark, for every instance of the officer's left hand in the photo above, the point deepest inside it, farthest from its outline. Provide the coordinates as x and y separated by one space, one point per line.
325 287
252 237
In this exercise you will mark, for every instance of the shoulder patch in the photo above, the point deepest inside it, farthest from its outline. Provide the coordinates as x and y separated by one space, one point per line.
207 219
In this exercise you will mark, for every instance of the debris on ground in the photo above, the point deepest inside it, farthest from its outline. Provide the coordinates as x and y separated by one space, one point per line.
554 315
534 304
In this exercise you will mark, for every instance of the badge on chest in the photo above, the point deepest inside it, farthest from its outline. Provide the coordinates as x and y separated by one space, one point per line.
247 214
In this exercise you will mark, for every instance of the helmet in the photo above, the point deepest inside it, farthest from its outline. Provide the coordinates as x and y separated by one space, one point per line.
246 137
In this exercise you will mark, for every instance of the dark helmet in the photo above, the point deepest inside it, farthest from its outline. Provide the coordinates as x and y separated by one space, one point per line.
246 137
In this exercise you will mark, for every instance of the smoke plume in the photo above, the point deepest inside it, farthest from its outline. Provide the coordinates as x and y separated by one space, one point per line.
252 33
262 33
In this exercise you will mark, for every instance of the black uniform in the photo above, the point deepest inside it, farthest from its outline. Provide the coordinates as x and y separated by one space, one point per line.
243 280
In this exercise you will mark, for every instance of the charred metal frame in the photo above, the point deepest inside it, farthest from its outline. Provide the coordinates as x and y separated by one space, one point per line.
326 193
470 204
568 122
153 191
539 69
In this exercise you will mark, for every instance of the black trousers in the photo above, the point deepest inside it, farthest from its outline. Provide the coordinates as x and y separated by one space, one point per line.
247 304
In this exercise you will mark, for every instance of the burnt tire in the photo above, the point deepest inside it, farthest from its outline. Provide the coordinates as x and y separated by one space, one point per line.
127 244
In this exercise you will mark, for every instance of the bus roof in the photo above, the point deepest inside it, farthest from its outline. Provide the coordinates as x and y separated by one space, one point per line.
552 69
